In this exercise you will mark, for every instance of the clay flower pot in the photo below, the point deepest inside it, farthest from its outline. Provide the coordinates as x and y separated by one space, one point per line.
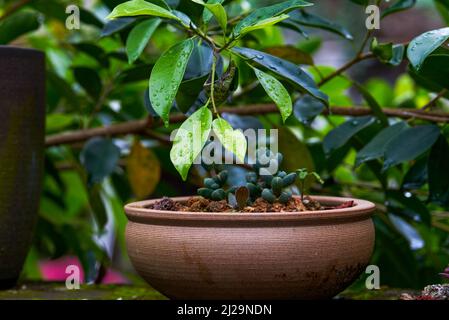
295 255
22 121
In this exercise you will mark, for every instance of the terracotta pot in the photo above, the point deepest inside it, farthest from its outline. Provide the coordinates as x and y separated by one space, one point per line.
297 255
22 120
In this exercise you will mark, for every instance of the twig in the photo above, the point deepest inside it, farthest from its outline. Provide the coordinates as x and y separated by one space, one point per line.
139 126
346 66
13 8
432 102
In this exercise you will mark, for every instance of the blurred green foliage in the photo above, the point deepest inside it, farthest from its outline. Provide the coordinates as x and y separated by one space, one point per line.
90 83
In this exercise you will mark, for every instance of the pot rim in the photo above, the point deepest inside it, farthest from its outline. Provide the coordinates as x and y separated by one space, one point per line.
362 209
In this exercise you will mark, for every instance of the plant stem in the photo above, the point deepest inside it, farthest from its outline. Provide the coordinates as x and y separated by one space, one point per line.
214 66
346 66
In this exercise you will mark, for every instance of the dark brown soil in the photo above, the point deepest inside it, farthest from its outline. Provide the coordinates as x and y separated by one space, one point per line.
200 204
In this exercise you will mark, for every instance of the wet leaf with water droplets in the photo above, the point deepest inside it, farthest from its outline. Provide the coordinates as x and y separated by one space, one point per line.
341 135
423 45
167 75
277 92
190 139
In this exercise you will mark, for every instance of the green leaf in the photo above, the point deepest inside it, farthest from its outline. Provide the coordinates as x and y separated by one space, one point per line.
140 8
138 38
99 156
341 135
438 174
372 103
167 75
263 24
400 5
190 139
276 91
387 52
207 14
307 108
285 69
409 144
217 11
17 25
233 140
433 74
89 80
116 25
423 45
304 18
267 13
416 176
375 149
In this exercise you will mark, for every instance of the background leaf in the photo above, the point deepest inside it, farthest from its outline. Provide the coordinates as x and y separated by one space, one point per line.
144 170
409 144
139 37
99 156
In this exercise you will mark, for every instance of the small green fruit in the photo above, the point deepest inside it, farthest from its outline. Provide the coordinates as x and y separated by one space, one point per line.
251 177
285 197
267 195
211 184
276 185
205 192
289 179
218 195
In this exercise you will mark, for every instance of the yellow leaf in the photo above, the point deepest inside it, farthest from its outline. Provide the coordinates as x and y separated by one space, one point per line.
144 170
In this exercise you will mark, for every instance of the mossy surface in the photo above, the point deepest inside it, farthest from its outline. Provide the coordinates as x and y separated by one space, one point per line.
58 291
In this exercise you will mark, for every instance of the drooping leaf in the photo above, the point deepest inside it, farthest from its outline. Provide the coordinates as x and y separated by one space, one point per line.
416 176
341 135
217 11
375 149
17 25
144 170
97 206
267 13
372 103
89 79
190 139
167 75
285 69
423 45
399 5
140 8
409 144
307 108
409 204
276 91
437 172
304 18
116 25
99 156
232 140
139 37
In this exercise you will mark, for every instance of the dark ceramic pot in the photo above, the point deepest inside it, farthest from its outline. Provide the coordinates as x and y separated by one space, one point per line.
22 129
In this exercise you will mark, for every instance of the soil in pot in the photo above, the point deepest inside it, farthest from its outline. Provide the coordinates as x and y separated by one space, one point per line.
200 204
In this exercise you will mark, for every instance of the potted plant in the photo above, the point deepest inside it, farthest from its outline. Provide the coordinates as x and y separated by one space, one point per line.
22 91
251 241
